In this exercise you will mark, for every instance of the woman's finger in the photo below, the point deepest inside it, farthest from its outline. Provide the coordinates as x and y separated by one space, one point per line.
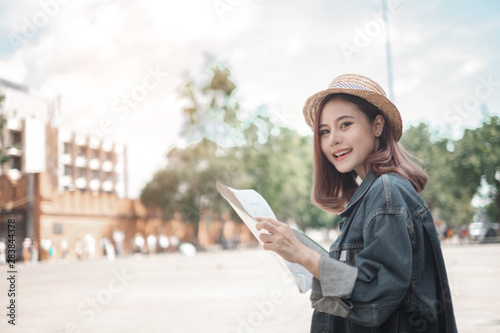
270 220
266 238
266 225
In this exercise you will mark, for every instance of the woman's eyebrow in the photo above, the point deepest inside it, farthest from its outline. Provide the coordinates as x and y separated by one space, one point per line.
343 117
337 120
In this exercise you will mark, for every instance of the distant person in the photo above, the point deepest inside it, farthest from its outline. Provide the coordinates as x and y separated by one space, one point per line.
174 242
118 239
385 272
139 243
34 252
104 243
89 246
64 249
110 251
464 235
78 250
26 249
151 244
164 242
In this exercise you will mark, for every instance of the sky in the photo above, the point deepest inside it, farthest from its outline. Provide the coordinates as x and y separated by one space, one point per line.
118 65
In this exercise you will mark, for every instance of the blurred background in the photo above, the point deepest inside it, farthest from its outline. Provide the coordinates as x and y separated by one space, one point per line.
118 117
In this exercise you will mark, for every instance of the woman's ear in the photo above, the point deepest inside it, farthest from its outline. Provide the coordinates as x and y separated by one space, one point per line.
378 125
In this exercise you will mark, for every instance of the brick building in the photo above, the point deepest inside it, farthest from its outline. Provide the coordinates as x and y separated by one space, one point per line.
69 191
66 190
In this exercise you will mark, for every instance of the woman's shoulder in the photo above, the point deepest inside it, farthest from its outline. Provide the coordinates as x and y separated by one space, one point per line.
395 190
393 181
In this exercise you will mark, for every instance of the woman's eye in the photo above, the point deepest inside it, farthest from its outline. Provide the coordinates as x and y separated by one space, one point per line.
345 125
323 132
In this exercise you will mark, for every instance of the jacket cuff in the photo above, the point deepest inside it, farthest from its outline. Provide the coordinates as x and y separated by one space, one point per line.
337 281
333 306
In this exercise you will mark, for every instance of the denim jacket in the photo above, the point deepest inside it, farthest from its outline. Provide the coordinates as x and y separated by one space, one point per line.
385 272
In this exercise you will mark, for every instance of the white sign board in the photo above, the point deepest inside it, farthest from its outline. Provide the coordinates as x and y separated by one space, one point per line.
34 146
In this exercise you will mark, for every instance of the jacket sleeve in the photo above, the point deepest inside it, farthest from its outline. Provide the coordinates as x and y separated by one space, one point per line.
381 278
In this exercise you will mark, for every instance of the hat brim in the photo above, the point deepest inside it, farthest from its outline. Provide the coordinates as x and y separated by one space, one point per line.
389 110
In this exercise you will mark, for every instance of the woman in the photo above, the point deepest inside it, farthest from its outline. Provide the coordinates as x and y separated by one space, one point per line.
385 272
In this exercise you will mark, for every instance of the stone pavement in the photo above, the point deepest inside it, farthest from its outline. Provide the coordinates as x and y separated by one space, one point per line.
242 291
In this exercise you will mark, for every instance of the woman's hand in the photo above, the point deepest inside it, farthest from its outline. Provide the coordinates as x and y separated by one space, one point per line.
283 241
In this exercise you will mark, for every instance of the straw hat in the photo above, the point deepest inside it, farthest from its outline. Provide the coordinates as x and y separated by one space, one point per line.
361 86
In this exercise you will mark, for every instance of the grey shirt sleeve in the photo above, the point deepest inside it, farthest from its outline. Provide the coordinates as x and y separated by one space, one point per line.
336 283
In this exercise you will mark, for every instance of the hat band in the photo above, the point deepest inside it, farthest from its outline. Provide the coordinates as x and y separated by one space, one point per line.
348 86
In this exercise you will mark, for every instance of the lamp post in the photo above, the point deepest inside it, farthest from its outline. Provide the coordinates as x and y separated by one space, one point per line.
388 50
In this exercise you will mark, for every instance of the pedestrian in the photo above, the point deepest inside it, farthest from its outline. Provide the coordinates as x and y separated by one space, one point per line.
64 249
151 241
104 242
110 251
174 242
78 250
385 272
164 243
26 249
34 252
89 246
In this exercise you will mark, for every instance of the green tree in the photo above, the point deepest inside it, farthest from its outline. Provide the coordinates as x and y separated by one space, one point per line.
446 200
187 183
281 170
478 159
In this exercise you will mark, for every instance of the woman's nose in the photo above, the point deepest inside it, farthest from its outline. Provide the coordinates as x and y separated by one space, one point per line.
334 138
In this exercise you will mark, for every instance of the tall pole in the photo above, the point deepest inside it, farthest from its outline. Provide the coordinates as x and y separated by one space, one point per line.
30 205
388 51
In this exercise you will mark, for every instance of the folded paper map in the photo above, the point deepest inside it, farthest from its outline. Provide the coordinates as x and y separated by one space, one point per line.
249 205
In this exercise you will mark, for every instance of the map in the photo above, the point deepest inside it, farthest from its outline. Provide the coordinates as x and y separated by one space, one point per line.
253 203
249 204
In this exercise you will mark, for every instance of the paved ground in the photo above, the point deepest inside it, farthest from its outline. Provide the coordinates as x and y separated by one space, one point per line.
234 291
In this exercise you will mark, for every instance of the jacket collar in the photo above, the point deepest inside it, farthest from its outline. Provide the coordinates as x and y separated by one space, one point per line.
360 192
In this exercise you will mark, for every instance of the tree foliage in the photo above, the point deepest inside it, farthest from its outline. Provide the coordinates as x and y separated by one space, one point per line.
477 160
447 201
458 169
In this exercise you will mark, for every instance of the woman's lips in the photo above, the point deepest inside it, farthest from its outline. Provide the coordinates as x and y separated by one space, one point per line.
345 153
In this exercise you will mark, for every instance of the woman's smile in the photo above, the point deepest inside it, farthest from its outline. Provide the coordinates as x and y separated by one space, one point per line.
342 154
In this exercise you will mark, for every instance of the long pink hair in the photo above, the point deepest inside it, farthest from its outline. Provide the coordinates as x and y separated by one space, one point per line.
332 190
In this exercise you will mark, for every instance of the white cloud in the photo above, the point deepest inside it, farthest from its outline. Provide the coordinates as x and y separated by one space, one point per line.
469 67
13 68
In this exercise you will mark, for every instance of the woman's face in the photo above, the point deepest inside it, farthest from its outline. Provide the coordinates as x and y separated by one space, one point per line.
347 137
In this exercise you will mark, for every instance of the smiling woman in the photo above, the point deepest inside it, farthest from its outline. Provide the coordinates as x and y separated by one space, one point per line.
355 121
385 272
